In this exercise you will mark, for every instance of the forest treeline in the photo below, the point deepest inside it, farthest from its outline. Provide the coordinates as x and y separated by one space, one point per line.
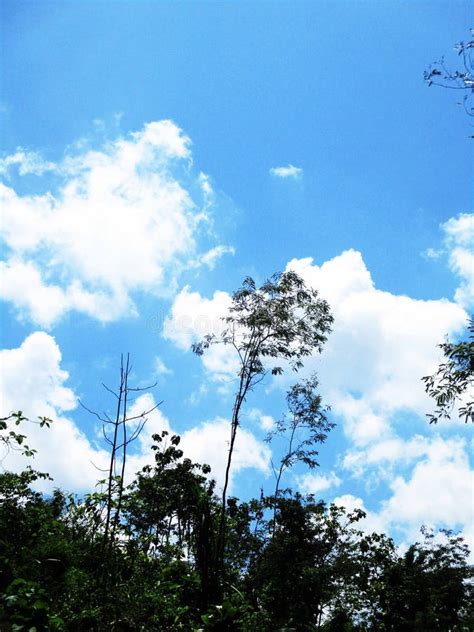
168 552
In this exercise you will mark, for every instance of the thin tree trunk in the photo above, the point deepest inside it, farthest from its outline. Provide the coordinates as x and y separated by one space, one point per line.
113 459
124 390
280 473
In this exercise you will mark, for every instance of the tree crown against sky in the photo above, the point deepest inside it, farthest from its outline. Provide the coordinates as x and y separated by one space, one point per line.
281 322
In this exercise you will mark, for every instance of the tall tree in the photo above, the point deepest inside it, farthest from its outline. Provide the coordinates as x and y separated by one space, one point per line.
305 426
119 432
279 323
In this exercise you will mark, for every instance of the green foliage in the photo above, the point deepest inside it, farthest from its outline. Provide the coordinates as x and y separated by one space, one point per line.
453 380
429 587
13 440
306 426
304 567
281 320
308 562
29 607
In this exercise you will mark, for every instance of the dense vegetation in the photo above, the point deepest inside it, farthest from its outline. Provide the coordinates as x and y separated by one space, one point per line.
167 553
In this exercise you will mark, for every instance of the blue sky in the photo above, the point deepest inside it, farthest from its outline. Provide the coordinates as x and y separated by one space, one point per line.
154 154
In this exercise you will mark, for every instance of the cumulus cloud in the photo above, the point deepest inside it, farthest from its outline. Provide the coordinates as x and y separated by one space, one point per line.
124 218
459 232
290 171
437 491
370 373
381 346
32 381
384 455
209 443
192 316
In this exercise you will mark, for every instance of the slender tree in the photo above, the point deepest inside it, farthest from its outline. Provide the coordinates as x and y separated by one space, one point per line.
282 322
306 426
119 439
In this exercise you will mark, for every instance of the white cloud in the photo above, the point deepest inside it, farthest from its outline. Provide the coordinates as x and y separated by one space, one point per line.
349 501
362 425
23 285
140 452
32 381
191 318
459 233
31 377
160 367
211 257
437 492
125 218
371 523
209 443
381 346
28 162
383 455
266 422
315 483
370 373
290 171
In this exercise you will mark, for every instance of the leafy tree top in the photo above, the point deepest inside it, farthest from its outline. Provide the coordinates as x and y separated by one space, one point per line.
283 319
